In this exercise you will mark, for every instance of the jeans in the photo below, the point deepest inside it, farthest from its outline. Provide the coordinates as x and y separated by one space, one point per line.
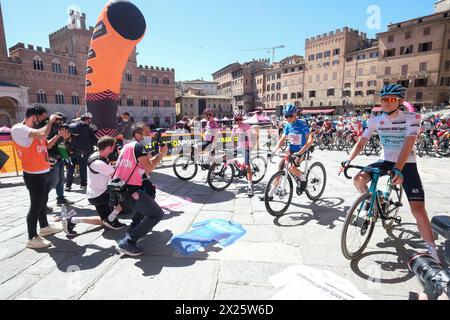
101 204
38 187
57 179
148 215
82 160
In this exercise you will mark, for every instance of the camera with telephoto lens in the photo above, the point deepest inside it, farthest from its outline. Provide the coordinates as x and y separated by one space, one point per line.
117 190
157 144
435 278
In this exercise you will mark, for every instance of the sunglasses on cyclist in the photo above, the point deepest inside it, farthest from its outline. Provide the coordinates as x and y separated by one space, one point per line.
390 99
289 116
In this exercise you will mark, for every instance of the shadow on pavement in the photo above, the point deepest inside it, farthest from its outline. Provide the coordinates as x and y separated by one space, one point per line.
325 212
391 262
166 182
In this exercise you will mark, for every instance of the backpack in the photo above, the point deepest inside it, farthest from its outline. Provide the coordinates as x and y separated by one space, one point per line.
94 158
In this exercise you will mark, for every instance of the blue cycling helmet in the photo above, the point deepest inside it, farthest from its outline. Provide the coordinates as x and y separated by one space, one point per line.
290 110
393 90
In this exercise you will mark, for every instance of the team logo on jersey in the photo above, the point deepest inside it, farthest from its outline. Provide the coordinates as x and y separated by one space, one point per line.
418 116
382 123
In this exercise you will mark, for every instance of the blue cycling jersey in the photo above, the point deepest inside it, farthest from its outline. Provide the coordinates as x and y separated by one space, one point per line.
297 135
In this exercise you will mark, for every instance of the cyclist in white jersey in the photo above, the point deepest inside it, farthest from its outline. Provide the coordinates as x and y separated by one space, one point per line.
398 132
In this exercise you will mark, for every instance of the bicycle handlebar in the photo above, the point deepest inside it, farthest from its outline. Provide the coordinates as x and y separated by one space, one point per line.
365 169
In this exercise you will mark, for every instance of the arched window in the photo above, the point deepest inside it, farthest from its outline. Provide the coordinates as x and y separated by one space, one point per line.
155 102
130 101
75 98
41 97
56 66
38 64
72 69
143 78
59 97
155 79
144 102
166 81
166 102
128 76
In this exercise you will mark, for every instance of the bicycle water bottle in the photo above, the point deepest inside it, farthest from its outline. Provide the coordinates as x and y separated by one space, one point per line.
381 197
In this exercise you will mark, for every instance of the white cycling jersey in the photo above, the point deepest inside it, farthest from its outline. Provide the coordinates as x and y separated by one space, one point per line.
393 133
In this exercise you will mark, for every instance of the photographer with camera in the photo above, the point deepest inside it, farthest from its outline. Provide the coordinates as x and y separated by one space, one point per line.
135 164
100 173
30 141
82 146
58 156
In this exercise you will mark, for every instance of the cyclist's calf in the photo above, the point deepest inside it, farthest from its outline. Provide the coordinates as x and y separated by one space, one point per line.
360 181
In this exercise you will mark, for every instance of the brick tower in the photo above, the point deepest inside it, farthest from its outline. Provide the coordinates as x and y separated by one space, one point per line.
3 47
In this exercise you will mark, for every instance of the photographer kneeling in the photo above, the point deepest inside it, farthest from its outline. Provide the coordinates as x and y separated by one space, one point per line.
99 175
133 168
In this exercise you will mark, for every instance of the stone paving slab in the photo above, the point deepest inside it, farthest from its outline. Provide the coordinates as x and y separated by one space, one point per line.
88 266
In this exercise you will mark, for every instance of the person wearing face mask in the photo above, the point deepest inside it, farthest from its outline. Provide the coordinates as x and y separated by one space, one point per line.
125 127
30 141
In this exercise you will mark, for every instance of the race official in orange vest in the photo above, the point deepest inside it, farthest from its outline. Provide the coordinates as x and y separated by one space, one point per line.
30 140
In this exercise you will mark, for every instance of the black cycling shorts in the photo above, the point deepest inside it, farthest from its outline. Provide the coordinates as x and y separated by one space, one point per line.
412 184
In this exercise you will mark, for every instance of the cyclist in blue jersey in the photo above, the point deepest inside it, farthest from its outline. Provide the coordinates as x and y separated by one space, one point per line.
297 133
398 131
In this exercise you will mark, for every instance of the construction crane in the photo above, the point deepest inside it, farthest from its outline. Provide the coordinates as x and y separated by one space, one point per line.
269 50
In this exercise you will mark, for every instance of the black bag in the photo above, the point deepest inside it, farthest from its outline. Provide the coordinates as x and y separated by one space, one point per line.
3 158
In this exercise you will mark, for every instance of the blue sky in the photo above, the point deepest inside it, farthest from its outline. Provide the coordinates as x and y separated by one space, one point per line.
198 37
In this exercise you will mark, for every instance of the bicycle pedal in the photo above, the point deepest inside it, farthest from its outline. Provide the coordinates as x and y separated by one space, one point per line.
398 220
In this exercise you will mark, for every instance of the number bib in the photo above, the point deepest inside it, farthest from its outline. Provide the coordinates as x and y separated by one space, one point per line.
295 139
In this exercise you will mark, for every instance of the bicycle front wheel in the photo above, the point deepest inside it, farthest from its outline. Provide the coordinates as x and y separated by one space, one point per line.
279 193
317 181
259 169
220 176
358 228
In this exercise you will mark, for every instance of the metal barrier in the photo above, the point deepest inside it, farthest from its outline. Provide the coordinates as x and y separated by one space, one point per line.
176 142
13 167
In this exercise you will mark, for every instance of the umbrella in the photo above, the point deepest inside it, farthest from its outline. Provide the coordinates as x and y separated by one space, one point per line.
225 119
204 120
409 106
215 119
5 130
257 120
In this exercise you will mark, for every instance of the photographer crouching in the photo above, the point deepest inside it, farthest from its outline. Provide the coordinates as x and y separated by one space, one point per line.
134 166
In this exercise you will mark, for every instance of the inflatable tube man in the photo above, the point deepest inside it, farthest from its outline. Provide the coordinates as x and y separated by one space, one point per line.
120 27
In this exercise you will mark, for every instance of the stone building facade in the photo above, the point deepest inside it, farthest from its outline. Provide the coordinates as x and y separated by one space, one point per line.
55 77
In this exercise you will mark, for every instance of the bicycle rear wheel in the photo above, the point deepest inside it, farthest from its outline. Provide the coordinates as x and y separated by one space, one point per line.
220 176
317 181
184 168
394 204
279 193
358 228
259 169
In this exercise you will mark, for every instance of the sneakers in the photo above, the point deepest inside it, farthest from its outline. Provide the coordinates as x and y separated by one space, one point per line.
38 243
49 231
68 189
68 227
64 201
128 248
115 225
